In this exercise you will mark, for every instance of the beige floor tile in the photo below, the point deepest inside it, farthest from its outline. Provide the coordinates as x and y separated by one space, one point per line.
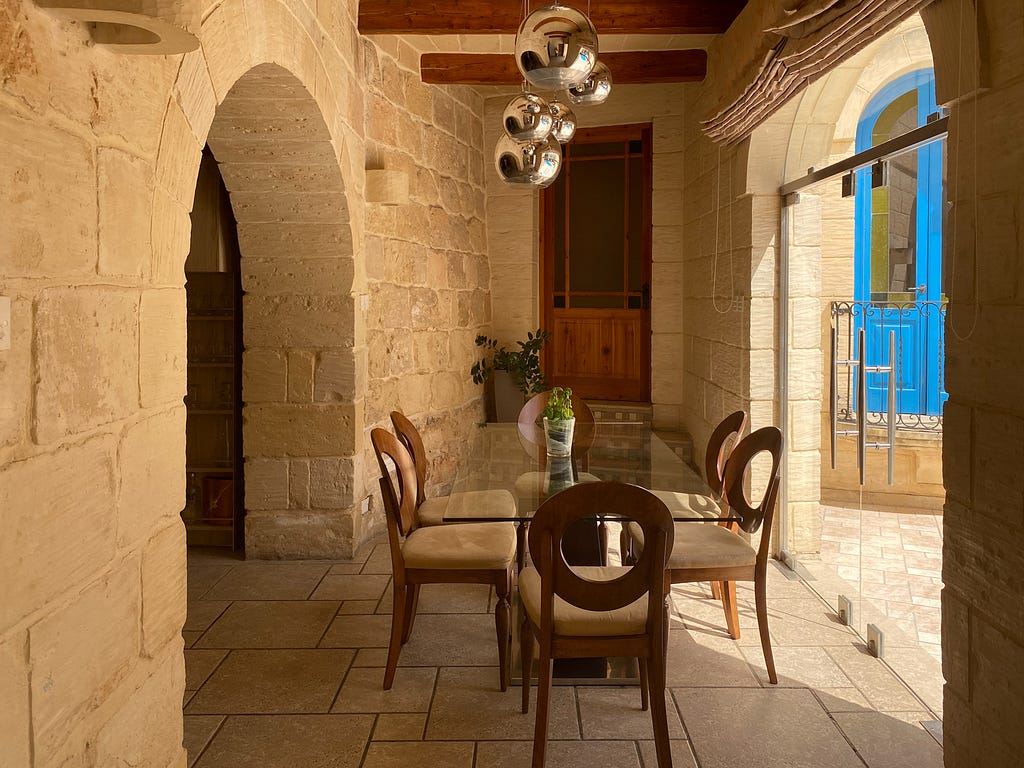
798 668
467 640
288 741
351 587
201 576
890 742
454 598
346 568
371 657
841 699
392 726
883 690
468 705
682 755
614 713
767 728
358 606
273 681
696 659
406 754
268 581
198 730
199 665
362 691
921 671
190 638
559 754
202 613
270 624
357 631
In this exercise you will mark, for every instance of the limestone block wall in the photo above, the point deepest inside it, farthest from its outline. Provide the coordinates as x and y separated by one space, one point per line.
427 268
983 451
513 235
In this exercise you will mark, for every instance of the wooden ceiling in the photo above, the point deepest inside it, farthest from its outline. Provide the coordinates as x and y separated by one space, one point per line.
502 17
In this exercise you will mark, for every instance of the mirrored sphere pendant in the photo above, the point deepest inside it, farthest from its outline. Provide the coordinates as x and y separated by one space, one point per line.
556 47
594 90
565 122
527 117
528 162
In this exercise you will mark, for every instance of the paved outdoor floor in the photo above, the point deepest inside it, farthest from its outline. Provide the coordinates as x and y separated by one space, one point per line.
285 660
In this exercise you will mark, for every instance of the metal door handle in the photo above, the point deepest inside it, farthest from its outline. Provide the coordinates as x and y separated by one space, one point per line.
833 389
862 405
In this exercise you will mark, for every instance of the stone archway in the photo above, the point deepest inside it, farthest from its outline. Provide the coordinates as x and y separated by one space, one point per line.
282 163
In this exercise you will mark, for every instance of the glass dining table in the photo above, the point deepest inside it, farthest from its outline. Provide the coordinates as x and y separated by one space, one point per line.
507 456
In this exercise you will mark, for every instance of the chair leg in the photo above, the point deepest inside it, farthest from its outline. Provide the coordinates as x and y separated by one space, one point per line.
540 730
520 546
645 685
412 600
761 601
659 711
732 615
526 651
503 628
716 590
602 535
624 556
395 644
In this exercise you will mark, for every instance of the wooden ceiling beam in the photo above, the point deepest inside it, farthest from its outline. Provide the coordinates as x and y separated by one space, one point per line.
628 67
481 17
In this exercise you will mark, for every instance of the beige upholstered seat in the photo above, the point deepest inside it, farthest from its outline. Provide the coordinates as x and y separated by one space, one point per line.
700 545
689 503
490 503
534 485
572 620
463 546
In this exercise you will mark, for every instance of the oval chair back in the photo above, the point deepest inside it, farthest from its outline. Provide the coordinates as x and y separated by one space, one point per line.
557 514
410 437
716 455
766 439
399 503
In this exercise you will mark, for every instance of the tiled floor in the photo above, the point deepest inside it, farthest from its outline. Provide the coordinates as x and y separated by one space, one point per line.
890 566
284 666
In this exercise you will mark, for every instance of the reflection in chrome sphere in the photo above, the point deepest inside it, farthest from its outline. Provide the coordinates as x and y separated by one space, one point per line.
595 89
528 118
556 47
526 162
565 122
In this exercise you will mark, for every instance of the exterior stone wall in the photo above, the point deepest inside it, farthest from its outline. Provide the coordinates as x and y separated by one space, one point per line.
983 553
513 232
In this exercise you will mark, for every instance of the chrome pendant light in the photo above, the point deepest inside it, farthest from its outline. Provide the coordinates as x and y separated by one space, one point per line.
564 127
527 117
556 47
594 90
528 162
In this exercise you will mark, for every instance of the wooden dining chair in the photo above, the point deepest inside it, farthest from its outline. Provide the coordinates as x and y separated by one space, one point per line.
704 552
497 503
464 553
699 505
587 611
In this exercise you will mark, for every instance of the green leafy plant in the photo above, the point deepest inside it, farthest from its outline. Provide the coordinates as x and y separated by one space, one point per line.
559 407
522 363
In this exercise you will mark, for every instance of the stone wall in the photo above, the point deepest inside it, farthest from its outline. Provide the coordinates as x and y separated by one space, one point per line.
99 169
513 234
983 554
427 266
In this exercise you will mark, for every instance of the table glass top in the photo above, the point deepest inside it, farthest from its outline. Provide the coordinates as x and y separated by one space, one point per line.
501 456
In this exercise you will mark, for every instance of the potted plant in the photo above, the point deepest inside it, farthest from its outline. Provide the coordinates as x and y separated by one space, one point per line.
559 422
515 373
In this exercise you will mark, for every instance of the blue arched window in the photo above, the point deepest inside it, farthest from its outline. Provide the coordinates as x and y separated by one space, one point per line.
898 248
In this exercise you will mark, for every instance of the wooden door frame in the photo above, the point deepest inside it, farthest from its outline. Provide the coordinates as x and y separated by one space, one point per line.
632 131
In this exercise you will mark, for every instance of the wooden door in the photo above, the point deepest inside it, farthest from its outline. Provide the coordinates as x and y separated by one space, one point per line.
596 242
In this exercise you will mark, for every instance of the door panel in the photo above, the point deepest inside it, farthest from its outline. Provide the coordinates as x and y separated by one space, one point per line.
597 265
599 351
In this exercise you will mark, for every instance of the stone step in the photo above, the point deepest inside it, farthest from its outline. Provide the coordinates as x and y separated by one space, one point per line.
680 442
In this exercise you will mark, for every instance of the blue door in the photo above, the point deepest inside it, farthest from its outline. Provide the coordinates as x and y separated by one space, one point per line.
898 251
